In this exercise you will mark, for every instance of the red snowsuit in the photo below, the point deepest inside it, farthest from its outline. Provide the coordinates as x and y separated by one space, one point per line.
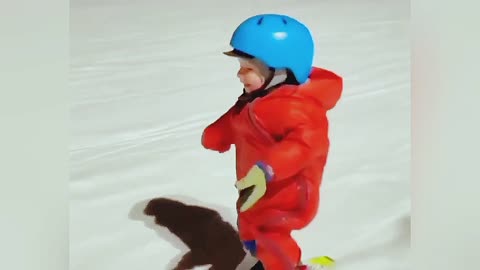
288 130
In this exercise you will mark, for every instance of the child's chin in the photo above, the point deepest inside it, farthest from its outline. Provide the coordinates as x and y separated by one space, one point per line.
248 89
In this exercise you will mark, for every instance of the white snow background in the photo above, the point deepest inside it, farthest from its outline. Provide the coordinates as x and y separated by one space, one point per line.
147 77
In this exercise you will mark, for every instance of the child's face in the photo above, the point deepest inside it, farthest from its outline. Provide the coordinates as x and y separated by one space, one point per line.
250 75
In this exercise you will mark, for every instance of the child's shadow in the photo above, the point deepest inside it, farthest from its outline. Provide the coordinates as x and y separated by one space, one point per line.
207 238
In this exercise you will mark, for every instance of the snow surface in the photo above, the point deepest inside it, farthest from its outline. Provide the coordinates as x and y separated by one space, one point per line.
147 77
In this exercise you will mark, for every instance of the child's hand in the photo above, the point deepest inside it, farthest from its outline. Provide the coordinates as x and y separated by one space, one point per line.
256 180
213 140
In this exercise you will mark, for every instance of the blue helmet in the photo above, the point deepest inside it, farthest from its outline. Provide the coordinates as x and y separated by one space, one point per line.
278 40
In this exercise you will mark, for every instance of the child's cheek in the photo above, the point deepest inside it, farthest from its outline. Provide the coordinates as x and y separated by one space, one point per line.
256 80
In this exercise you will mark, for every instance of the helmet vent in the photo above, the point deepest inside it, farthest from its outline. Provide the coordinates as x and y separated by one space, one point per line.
260 21
284 21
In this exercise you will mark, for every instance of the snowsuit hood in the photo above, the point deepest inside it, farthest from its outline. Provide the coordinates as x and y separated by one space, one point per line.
324 88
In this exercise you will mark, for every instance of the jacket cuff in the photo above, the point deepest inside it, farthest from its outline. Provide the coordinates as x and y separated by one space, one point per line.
267 170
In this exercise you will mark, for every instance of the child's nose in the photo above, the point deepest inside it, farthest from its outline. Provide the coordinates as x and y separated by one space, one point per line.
243 70
240 73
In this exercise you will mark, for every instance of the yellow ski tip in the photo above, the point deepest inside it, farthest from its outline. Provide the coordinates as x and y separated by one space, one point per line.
323 261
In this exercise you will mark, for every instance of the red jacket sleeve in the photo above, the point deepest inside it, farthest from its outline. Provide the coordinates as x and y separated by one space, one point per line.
218 135
305 139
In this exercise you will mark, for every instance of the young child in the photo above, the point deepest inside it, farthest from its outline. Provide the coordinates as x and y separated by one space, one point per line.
279 128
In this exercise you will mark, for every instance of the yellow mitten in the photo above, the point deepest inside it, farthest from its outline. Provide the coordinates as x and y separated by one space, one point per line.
256 179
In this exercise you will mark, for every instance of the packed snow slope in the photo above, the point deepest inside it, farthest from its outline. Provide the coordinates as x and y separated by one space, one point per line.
147 77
